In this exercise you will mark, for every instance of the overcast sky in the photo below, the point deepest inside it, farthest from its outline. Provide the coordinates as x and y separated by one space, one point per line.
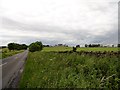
59 21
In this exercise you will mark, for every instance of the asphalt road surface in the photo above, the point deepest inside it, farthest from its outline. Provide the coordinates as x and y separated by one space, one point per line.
11 67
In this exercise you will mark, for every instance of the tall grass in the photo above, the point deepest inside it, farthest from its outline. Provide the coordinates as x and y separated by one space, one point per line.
54 70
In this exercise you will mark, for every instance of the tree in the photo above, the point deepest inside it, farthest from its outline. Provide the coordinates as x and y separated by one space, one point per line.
40 44
34 47
118 45
46 45
11 46
77 46
37 46
16 46
90 45
24 46
85 45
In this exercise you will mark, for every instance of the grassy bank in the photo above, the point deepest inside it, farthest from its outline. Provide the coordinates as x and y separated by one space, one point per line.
58 70
6 53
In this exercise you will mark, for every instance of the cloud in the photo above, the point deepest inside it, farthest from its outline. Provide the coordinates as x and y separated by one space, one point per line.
56 21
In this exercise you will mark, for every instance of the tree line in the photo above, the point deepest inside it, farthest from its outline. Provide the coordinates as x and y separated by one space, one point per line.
35 46
97 45
16 46
38 46
93 45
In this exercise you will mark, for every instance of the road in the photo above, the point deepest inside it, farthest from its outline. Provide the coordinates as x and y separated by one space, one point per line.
10 68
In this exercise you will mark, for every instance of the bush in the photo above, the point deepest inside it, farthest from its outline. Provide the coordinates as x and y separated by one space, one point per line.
37 46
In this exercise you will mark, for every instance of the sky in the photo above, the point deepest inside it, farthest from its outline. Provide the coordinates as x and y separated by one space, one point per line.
53 22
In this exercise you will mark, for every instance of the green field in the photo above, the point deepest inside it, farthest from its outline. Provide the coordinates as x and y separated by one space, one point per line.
61 48
64 70
57 48
98 49
6 53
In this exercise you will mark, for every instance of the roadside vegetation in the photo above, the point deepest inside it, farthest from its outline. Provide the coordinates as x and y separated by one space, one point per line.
5 52
49 69
12 49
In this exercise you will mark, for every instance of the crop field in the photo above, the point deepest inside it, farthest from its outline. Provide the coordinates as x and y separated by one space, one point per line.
6 53
61 48
47 69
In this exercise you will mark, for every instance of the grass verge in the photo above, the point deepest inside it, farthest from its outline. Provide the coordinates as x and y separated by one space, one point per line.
58 70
